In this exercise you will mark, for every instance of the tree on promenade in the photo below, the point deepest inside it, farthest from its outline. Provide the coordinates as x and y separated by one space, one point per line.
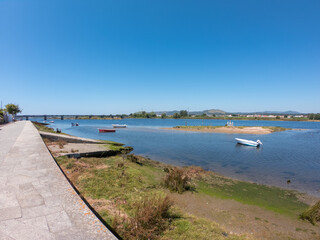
13 109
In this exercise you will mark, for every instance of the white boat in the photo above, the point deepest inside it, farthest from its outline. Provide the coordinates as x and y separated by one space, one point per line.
249 142
51 122
119 125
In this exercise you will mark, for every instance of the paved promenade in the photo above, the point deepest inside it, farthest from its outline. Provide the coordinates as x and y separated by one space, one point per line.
36 200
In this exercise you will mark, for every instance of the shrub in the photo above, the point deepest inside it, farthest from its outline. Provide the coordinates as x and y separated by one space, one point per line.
312 214
176 180
150 218
132 158
70 165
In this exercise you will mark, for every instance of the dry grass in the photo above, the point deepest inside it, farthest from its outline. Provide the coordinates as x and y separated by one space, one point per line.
151 217
177 180
312 214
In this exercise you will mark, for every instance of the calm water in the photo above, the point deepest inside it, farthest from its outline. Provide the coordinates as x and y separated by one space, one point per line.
293 155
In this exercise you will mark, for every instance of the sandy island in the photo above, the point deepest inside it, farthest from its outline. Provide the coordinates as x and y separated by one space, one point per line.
229 129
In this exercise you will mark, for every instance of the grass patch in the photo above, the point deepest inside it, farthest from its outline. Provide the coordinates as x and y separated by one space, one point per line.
43 127
189 228
277 129
271 198
312 214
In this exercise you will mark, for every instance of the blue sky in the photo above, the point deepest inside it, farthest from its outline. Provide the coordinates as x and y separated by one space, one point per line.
102 57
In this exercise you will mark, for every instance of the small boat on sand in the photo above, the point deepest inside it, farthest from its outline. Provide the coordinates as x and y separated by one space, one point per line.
249 142
106 130
119 125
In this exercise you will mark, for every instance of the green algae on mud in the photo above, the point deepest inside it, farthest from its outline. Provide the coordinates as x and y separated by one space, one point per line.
271 198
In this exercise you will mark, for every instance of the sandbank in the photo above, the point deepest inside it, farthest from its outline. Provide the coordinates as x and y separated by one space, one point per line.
229 129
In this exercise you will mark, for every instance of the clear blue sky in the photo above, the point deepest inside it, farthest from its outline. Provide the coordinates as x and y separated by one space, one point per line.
102 57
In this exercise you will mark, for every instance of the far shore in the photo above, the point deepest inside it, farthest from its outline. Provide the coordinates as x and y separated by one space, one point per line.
230 129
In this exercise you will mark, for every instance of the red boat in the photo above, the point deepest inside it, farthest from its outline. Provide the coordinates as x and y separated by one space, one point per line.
106 130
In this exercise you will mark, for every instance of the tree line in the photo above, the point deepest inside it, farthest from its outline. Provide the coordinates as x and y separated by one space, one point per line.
143 114
314 116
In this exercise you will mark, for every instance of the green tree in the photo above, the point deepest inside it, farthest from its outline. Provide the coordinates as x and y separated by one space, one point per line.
176 115
163 115
311 116
13 109
1 112
153 114
184 113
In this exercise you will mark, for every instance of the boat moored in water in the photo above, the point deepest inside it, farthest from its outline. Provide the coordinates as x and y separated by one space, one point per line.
106 130
119 125
249 142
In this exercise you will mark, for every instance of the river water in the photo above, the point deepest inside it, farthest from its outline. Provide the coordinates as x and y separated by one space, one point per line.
290 155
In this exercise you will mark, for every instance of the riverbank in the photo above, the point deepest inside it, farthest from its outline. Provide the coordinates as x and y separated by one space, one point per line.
230 129
209 206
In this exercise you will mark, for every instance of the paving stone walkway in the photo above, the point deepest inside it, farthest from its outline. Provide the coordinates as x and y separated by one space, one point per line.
36 200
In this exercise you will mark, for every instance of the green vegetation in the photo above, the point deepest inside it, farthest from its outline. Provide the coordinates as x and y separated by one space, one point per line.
43 127
127 192
271 198
13 109
176 180
312 214
143 114
314 116
176 115
190 228
277 129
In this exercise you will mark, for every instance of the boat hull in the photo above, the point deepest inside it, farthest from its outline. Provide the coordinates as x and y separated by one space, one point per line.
119 126
106 130
248 142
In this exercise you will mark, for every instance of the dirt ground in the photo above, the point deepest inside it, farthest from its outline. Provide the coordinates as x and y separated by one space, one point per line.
240 218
